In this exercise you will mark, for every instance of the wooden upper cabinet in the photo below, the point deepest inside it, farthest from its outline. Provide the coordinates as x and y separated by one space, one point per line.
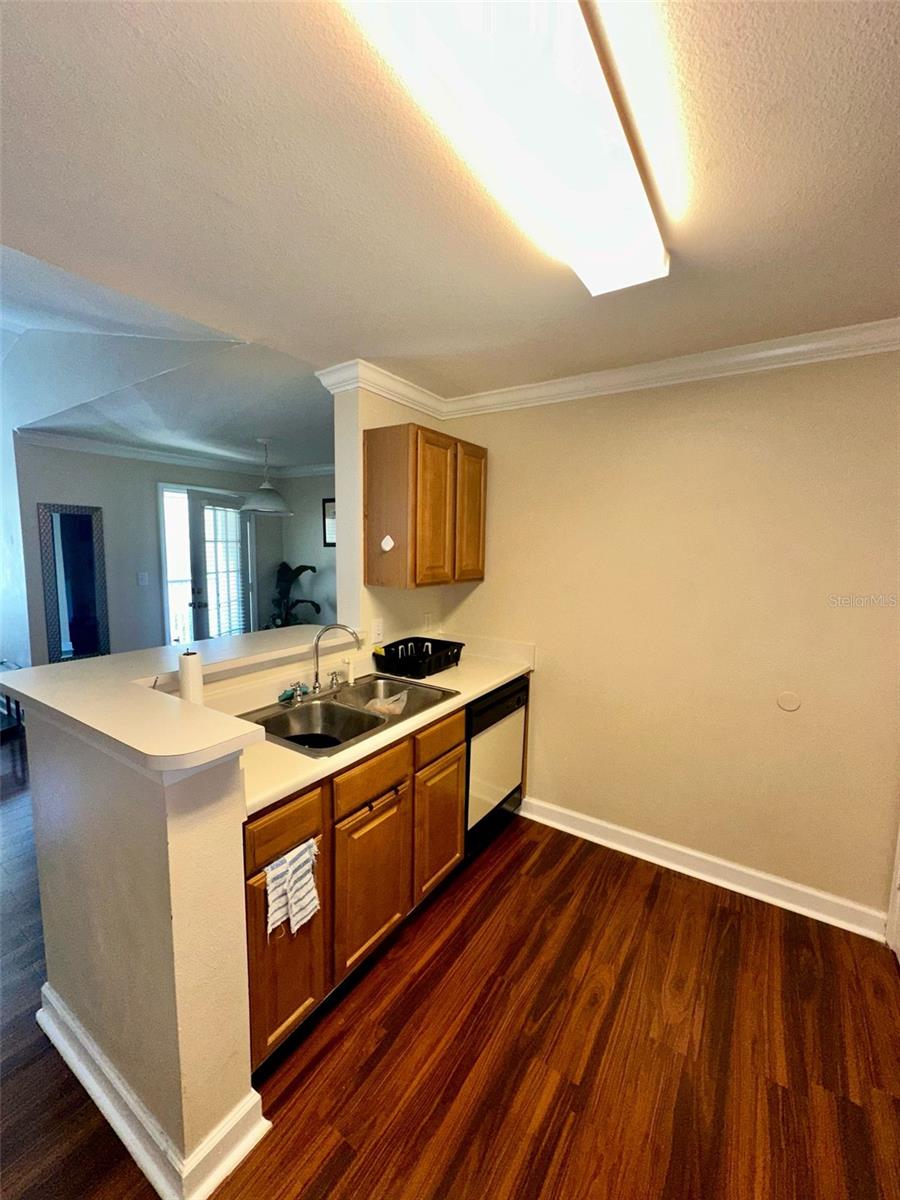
389 505
435 506
372 877
471 489
440 809
424 492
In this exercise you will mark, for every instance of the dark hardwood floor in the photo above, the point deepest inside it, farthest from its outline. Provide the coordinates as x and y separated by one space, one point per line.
562 1022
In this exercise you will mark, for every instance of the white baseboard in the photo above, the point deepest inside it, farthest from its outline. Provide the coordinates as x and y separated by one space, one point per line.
796 897
174 1176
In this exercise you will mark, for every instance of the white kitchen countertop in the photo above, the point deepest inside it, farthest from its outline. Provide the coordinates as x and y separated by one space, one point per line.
272 772
110 700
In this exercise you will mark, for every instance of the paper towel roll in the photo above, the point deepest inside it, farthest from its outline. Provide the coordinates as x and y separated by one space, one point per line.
190 677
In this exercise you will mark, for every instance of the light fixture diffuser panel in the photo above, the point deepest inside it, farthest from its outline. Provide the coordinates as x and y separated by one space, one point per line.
517 90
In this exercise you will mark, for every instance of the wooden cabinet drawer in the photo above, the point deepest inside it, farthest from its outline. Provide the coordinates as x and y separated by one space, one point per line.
268 837
431 743
372 778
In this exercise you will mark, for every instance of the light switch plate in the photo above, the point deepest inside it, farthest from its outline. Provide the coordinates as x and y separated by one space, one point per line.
143 579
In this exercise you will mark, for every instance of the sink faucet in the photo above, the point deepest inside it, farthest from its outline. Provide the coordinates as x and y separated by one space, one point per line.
317 687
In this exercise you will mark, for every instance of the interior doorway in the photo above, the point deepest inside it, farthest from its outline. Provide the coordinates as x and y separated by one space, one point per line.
208 556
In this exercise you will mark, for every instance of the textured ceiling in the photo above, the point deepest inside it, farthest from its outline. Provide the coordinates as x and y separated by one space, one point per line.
34 295
252 167
217 408
127 373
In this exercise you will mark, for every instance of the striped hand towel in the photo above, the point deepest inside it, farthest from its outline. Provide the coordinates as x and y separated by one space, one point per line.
291 887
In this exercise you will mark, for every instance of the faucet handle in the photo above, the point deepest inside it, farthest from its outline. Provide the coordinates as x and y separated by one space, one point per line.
334 679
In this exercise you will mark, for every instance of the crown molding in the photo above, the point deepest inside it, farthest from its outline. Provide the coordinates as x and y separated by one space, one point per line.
851 341
357 373
301 472
50 440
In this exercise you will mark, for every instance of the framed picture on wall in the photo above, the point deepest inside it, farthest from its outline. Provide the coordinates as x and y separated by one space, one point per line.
329 535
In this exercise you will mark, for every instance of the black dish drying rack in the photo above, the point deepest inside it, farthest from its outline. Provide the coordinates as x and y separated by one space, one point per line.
416 657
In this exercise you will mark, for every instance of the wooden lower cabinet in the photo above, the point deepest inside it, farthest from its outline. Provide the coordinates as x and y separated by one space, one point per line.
440 810
288 972
373 868
372 876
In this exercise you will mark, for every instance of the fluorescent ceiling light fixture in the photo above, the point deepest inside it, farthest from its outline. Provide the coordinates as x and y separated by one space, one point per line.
518 91
640 48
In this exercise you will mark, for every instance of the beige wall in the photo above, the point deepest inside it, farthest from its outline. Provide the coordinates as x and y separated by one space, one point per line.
127 491
303 544
671 553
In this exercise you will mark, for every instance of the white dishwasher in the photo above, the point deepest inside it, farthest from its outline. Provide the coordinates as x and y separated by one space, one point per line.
495 728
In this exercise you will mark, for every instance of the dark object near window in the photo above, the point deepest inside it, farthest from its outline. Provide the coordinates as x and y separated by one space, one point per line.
74 571
329 533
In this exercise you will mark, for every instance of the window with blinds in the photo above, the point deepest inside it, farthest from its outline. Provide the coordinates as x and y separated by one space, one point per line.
224 578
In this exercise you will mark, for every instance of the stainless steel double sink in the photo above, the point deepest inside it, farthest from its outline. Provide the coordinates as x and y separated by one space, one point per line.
333 720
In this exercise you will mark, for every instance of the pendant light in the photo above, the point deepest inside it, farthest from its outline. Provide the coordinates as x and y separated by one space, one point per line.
265 500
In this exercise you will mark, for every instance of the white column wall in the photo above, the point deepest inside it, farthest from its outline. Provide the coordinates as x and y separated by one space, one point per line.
142 898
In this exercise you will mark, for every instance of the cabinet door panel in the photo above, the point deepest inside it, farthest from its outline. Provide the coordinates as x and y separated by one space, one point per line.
287 971
440 805
435 506
471 490
389 467
372 877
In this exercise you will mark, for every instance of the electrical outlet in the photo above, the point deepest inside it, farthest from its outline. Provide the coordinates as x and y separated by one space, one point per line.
429 622
377 629
143 579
